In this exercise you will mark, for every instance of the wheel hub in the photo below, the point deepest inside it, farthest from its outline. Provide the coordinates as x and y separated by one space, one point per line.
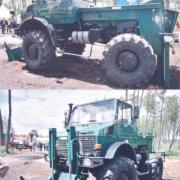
127 61
33 51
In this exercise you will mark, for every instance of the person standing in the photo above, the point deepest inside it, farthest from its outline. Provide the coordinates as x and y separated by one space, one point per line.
8 26
34 146
13 26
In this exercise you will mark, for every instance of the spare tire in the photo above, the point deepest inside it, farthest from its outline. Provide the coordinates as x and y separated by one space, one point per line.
129 61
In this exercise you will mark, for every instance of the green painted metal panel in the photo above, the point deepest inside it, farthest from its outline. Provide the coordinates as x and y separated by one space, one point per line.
166 64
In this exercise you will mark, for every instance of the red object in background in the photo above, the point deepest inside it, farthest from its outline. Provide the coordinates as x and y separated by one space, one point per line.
178 25
21 137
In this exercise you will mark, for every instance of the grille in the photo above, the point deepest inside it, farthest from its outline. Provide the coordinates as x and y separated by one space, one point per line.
62 147
86 145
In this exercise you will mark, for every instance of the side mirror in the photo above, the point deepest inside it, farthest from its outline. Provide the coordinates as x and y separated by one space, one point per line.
135 112
67 115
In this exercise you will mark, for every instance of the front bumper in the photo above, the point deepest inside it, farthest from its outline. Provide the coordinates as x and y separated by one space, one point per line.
90 162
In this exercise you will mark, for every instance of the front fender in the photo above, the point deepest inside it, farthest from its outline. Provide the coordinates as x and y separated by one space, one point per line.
121 148
35 23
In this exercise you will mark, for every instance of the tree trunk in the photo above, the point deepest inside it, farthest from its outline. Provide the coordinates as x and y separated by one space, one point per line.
9 122
13 5
160 127
133 100
126 94
147 115
1 129
141 100
174 137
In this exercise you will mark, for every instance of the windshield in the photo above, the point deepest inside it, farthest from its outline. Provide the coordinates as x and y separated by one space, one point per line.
103 111
84 3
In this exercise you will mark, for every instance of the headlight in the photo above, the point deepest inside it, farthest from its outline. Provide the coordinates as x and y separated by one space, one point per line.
87 162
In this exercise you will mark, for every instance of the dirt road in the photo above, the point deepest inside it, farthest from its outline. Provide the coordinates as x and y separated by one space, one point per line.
33 167
69 73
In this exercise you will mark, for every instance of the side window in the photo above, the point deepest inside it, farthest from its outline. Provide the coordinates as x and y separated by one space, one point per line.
124 114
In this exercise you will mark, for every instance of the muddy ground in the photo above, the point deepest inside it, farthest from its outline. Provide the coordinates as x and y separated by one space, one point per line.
69 73
32 166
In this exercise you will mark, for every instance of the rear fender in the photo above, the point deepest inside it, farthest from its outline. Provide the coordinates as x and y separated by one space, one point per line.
35 23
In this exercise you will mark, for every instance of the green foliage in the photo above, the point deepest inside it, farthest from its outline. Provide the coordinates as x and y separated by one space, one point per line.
171 109
2 149
174 153
162 117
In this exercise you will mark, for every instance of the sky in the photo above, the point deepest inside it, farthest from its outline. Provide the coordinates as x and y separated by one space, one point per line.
44 109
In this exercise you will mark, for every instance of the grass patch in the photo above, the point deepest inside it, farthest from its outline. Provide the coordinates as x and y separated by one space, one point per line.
11 150
2 149
175 153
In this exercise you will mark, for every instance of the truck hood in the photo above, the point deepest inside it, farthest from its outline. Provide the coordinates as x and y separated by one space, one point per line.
93 128
88 129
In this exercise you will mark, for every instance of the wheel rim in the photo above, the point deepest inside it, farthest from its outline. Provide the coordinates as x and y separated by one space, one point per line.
33 52
127 61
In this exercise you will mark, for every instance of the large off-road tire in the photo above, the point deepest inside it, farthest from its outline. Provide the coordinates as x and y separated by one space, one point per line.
157 170
121 168
38 51
129 61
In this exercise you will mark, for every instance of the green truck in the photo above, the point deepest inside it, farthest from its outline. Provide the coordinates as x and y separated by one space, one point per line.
136 37
102 138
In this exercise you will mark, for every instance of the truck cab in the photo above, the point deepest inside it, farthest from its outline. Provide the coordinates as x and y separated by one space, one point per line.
56 11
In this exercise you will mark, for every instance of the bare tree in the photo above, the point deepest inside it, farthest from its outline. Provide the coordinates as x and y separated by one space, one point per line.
1 129
9 122
141 100
126 94
161 96
174 136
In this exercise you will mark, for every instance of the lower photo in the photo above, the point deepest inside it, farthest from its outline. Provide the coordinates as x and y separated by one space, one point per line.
88 135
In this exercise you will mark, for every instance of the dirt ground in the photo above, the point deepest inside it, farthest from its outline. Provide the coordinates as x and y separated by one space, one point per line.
69 73
32 166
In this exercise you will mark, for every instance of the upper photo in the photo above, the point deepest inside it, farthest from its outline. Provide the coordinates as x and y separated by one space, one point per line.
90 44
